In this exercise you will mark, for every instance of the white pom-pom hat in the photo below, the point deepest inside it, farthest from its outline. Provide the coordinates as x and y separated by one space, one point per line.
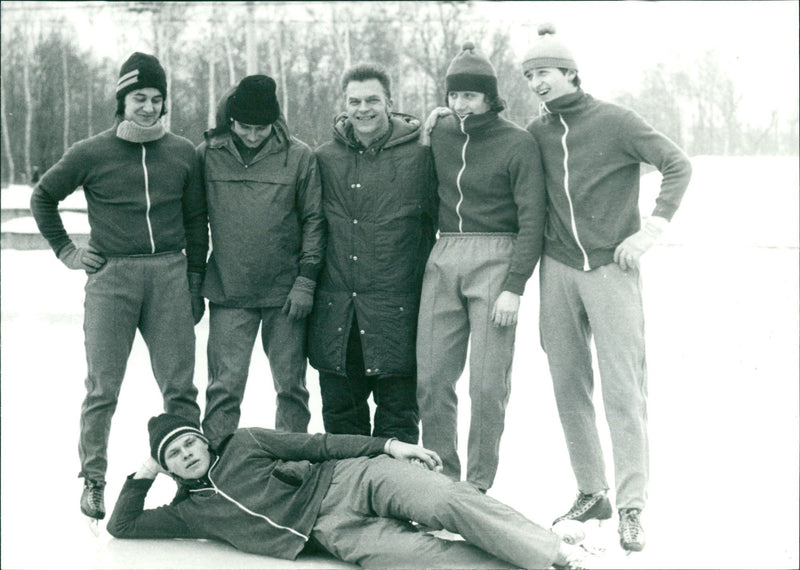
548 51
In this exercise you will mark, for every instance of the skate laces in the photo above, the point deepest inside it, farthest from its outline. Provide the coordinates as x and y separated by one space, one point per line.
630 525
583 503
95 495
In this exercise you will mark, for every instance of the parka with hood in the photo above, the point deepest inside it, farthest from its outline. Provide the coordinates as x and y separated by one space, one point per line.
256 257
380 206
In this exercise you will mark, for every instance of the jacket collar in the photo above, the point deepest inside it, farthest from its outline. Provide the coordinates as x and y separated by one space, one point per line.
403 128
472 124
566 104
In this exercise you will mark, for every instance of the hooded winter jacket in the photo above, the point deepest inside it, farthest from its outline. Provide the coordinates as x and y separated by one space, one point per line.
491 181
592 151
265 217
262 494
380 208
142 198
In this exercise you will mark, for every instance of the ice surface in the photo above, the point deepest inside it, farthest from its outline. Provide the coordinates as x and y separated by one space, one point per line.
721 301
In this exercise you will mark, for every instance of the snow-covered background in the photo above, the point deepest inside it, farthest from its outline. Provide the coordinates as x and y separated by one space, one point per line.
721 303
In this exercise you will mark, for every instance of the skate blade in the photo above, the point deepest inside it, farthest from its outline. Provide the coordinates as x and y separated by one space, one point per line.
94 525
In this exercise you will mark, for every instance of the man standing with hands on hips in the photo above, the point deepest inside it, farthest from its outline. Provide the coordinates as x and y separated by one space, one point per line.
590 281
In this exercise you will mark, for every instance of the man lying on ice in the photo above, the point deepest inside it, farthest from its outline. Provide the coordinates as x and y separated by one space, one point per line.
274 493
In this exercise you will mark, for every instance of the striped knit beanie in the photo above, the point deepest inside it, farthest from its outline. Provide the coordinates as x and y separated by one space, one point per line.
548 51
164 429
470 70
141 70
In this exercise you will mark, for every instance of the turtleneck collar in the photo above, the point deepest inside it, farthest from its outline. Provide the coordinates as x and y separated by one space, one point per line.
565 104
474 123
131 132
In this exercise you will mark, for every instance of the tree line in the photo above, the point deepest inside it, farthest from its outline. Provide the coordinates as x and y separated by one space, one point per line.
55 92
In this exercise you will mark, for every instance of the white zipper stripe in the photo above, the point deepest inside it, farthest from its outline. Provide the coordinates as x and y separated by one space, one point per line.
458 178
569 198
245 509
147 198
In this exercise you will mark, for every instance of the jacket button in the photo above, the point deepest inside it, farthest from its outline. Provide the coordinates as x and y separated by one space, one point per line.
362 331
355 258
369 370
352 186
358 185
355 221
338 368
402 309
355 294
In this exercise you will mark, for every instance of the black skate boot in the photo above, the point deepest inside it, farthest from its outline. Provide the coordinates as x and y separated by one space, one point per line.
588 507
92 504
631 533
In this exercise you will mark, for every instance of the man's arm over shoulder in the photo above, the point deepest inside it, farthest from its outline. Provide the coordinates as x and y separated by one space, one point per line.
648 145
131 520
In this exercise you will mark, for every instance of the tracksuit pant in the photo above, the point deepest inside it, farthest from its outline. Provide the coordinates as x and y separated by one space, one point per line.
605 303
149 293
364 520
345 406
463 278
232 333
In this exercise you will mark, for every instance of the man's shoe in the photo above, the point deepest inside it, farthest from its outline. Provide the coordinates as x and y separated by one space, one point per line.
631 533
92 504
588 507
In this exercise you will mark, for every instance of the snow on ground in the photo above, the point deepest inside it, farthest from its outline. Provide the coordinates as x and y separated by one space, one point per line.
721 301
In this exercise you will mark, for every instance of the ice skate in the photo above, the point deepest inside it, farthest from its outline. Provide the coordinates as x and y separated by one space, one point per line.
631 533
93 505
588 507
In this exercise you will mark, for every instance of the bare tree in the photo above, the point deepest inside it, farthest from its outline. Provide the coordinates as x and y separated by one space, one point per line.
6 137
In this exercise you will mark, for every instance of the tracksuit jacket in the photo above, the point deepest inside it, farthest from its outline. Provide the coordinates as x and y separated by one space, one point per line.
262 494
142 198
265 217
491 181
380 207
592 152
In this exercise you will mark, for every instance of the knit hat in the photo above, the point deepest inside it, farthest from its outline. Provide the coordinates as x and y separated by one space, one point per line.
470 70
254 101
548 51
164 429
141 70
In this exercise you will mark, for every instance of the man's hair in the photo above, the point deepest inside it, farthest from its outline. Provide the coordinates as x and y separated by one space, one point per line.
576 81
365 72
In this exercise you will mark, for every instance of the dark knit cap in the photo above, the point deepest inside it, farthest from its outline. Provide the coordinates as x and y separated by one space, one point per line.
254 101
139 71
164 429
470 70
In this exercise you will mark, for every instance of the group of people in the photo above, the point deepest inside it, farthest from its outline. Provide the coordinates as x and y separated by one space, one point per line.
378 258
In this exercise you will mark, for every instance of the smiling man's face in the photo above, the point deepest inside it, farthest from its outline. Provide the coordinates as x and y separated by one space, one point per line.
187 457
368 108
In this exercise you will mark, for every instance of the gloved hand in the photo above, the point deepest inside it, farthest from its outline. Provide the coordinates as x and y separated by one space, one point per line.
86 258
301 298
633 247
198 302
430 123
